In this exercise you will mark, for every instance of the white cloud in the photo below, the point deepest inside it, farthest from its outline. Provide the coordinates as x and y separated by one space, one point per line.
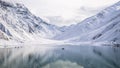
68 9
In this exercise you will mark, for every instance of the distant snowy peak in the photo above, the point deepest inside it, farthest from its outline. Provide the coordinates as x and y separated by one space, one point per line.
19 23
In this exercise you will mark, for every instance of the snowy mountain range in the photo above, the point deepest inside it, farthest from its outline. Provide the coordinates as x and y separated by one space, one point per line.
19 24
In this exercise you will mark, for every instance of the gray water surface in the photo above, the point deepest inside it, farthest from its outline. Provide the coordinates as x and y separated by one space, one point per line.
62 56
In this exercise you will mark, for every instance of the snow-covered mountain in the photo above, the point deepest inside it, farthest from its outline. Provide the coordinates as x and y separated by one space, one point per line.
105 26
18 23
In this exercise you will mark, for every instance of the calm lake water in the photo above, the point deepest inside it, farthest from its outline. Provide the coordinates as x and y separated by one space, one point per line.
62 56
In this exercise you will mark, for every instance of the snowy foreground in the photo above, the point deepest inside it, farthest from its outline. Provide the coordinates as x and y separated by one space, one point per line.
47 42
29 43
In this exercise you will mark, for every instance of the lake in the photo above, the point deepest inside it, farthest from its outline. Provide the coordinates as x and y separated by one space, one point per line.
61 56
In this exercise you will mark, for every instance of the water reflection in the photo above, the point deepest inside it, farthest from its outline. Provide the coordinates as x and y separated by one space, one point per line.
64 56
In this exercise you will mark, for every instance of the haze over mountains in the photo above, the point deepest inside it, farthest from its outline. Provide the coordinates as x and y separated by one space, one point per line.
19 24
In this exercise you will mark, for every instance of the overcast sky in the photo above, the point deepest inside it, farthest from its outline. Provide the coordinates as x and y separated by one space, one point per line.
67 9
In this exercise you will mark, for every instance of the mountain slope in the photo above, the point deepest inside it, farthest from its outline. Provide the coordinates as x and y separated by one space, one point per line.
105 26
17 22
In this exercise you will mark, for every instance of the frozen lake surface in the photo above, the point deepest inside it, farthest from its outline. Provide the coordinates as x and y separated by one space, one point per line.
62 56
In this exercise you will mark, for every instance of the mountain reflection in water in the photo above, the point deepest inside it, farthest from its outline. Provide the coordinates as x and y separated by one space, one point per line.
62 56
